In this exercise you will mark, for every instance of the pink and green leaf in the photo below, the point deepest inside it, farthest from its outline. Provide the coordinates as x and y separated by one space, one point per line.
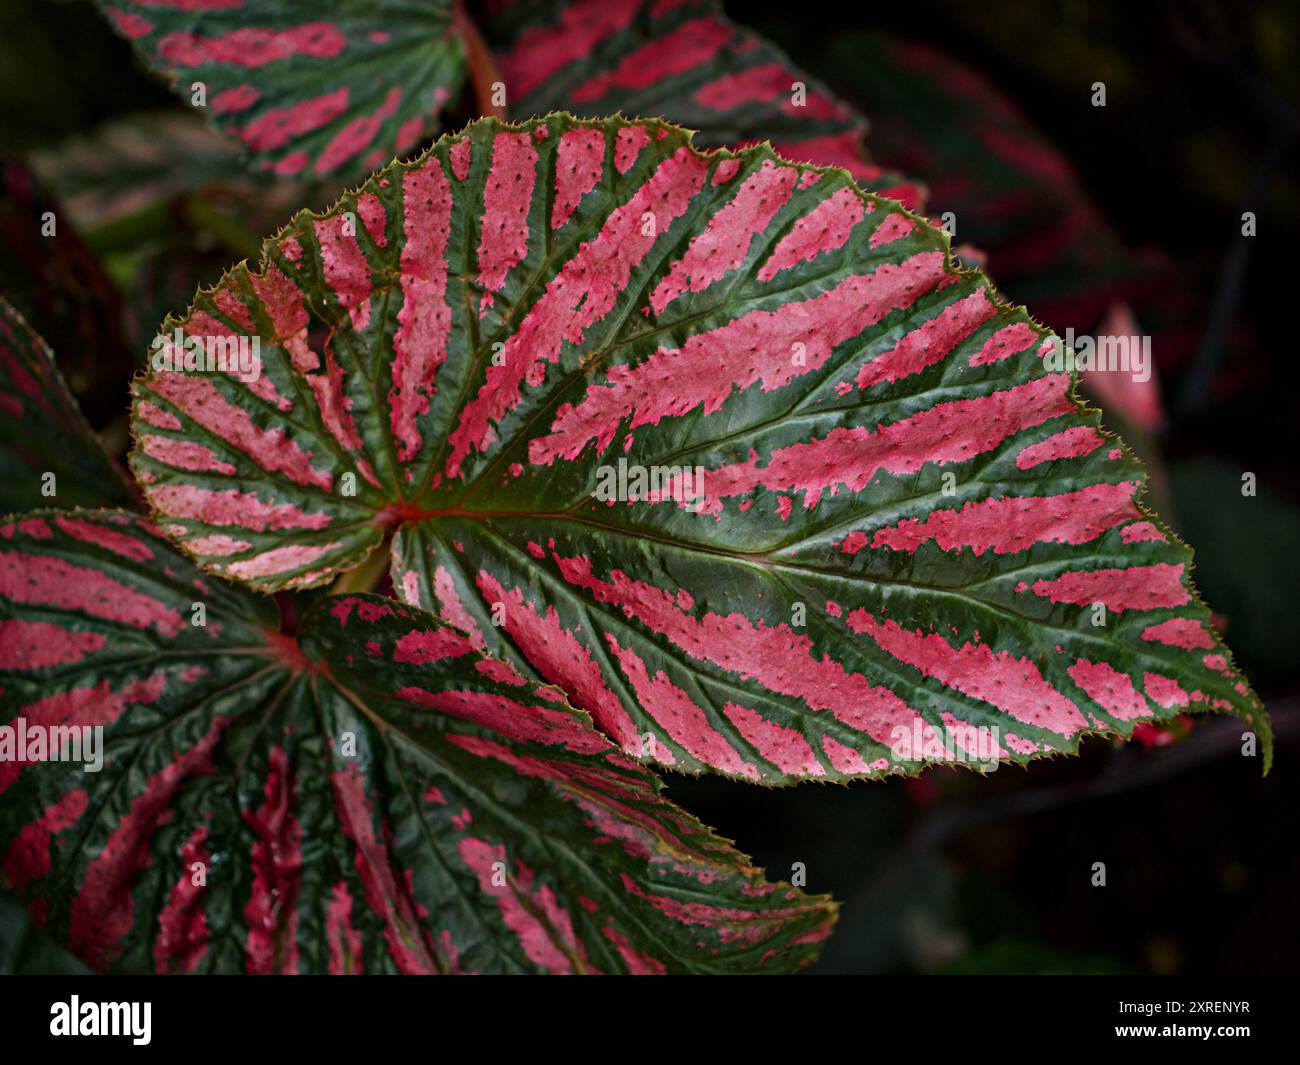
308 95
686 62
373 795
309 89
49 456
909 526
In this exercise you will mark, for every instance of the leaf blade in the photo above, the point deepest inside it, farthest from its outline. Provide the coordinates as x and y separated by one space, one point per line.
906 519
336 803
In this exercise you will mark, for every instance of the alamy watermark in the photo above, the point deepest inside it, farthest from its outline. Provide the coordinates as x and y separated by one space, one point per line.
23 742
77 1018
630 483
240 356
1112 354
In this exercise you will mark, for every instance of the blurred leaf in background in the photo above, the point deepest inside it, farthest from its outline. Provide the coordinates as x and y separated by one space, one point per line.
56 282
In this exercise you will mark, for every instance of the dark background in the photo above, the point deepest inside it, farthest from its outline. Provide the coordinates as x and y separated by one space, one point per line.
1139 204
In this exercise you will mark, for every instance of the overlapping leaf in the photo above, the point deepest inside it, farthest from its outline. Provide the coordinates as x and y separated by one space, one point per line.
308 89
373 796
910 544
48 454
686 62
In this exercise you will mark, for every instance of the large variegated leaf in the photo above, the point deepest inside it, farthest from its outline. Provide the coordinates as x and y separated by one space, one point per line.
374 795
910 542
686 62
48 454
333 89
